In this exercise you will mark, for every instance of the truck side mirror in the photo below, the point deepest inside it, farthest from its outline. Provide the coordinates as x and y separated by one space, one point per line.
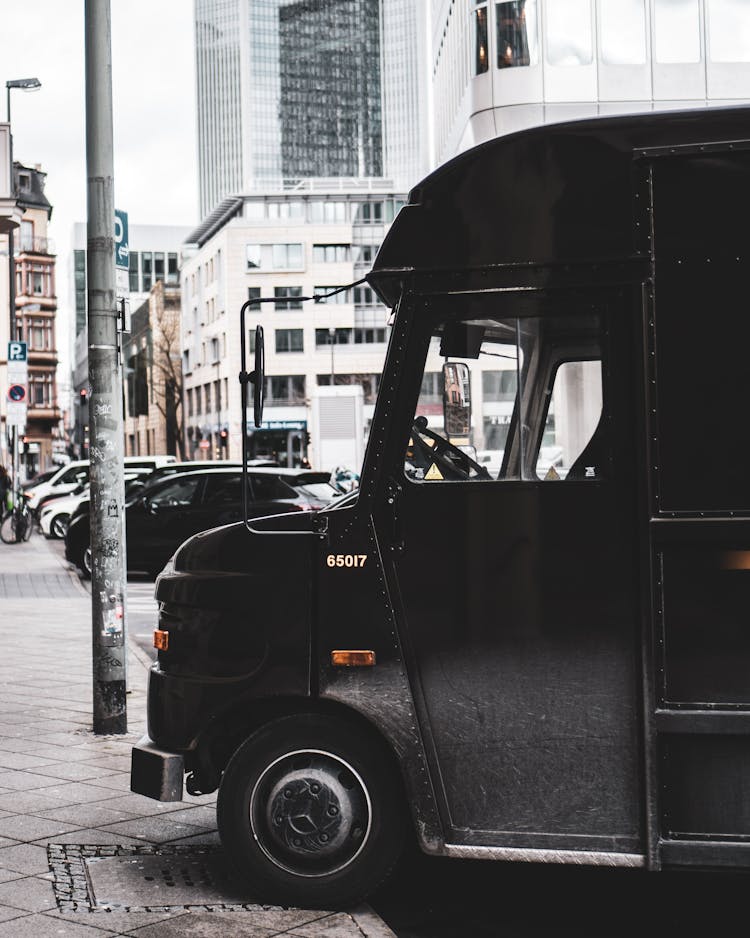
258 377
457 401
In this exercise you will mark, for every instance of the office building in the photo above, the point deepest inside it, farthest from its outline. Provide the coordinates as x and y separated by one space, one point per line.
502 66
280 247
289 90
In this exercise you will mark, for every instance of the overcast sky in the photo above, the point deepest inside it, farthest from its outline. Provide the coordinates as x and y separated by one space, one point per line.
153 77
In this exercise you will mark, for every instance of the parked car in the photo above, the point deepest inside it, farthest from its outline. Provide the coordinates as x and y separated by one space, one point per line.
39 478
159 518
56 511
68 477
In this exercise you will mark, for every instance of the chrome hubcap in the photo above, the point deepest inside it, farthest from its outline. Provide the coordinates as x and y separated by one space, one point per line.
310 813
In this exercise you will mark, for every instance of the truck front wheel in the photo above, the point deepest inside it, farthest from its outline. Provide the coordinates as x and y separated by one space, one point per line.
310 813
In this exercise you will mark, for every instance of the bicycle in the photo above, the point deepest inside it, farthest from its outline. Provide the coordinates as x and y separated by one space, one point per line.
17 523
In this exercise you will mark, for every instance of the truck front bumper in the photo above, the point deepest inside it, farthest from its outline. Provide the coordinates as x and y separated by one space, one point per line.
156 773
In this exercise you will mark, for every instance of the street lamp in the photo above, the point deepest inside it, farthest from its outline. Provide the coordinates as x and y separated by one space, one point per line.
25 84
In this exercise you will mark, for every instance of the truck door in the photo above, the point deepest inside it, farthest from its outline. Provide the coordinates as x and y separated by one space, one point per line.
517 572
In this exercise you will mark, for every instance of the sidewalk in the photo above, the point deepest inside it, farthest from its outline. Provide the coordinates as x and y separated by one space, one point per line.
80 855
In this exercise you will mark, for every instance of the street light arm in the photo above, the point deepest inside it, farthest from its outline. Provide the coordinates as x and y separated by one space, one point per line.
25 84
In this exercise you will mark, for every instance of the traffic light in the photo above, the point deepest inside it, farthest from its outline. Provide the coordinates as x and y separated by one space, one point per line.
223 437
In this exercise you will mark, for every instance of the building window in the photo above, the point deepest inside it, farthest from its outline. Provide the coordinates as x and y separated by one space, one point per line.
286 389
338 299
287 256
370 383
516 33
365 253
40 389
207 396
369 336
677 34
623 32
284 210
147 270
328 212
173 270
39 335
159 266
569 37
253 293
133 272
369 213
35 280
289 340
274 256
365 296
481 59
27 236
324 337
499 385
287 297
331 253
727 31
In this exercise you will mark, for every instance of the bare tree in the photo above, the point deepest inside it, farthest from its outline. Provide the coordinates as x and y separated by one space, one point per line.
166 361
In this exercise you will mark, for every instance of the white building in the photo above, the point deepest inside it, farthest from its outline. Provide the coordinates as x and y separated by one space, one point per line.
501 66
281 247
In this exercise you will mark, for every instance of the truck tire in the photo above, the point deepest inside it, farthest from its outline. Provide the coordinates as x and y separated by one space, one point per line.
310 813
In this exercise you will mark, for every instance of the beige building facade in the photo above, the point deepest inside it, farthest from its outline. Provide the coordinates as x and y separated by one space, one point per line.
36 312
153 376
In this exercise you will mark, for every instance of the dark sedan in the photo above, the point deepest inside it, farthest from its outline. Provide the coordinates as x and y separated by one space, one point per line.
171 511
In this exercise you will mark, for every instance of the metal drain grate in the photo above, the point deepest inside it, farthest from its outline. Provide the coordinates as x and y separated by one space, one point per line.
160 880
170 878
142 878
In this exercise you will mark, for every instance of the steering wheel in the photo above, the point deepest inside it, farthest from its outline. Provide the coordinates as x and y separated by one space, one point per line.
452 460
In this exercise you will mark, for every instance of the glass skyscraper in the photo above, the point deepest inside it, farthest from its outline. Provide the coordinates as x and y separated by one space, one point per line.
294 89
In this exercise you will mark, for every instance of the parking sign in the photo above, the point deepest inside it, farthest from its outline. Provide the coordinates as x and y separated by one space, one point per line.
122 252
17 352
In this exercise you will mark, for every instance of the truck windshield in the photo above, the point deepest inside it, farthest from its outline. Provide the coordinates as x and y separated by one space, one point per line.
535 397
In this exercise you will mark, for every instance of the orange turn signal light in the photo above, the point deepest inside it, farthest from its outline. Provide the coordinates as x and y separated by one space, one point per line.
352 659
161 639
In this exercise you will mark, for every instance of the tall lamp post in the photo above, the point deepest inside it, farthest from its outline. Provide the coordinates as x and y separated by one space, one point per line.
25 84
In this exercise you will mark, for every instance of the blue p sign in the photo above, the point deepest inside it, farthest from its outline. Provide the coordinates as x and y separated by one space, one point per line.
17 352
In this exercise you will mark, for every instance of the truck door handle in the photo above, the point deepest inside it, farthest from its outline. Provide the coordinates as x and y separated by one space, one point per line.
393 492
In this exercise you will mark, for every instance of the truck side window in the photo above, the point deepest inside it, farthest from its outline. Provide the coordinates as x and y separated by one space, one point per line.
533 402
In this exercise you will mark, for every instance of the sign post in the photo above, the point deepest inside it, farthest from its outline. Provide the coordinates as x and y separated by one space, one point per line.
16 406
122 269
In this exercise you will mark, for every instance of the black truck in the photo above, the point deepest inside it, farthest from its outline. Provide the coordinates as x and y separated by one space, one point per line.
540 654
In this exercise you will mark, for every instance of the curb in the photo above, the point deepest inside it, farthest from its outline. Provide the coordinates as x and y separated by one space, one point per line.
370 924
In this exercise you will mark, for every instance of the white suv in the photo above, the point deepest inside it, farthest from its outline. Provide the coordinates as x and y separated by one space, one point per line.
73 474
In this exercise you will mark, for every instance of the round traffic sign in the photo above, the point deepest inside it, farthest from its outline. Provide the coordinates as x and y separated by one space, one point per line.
17 392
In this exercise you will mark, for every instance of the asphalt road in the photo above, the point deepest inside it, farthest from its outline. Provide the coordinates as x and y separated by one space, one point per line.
430 897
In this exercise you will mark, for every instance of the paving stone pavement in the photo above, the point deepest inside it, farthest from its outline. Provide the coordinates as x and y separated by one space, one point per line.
65 799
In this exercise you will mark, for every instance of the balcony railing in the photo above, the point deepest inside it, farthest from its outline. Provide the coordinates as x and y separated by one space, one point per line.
26 245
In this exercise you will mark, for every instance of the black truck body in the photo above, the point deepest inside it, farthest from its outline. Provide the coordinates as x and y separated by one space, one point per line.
554 663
